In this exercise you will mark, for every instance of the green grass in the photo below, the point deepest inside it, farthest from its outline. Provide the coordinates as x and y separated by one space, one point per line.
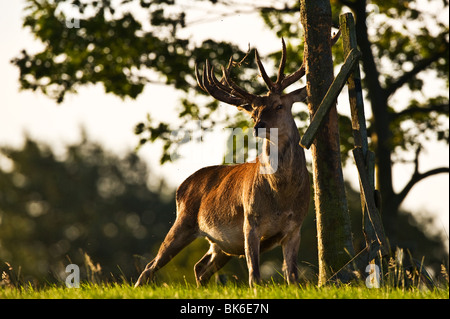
186 291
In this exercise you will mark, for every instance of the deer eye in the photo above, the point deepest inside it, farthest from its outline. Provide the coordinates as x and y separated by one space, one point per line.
279 107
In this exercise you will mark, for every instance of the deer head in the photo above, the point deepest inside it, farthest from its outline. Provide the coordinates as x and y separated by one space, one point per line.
270 111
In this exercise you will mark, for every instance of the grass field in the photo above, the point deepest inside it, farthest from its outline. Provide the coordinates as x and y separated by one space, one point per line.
186 291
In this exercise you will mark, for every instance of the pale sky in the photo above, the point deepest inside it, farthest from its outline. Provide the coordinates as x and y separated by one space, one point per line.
110 120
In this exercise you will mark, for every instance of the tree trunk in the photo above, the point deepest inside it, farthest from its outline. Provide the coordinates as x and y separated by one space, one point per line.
335 246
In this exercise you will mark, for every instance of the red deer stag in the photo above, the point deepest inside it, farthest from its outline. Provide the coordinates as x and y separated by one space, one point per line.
245 209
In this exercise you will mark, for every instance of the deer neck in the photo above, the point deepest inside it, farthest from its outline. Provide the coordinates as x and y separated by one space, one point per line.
282 158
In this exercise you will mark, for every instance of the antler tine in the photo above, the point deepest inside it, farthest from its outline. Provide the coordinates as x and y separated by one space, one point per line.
283 81
264 75
292 78
199 79
280 76
217 83
236 90
228 69
216 92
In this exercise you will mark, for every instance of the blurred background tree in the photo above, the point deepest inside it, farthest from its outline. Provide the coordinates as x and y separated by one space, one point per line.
53 210
128 44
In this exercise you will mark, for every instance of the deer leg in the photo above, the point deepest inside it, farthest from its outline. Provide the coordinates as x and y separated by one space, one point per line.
252 252
179 236
290 252
210 263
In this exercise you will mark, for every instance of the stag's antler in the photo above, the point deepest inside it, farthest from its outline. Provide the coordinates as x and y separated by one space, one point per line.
226 90
216 89
282 81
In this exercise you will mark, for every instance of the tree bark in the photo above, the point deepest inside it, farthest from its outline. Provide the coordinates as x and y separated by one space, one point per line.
335 246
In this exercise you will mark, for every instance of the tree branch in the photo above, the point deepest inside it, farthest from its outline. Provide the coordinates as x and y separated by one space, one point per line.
418 67
441 108
417 177
416 160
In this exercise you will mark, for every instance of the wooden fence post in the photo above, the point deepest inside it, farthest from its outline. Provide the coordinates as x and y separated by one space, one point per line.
335 89
365 159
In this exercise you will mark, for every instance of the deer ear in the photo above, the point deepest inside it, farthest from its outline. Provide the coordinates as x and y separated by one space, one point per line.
245 107
299 95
